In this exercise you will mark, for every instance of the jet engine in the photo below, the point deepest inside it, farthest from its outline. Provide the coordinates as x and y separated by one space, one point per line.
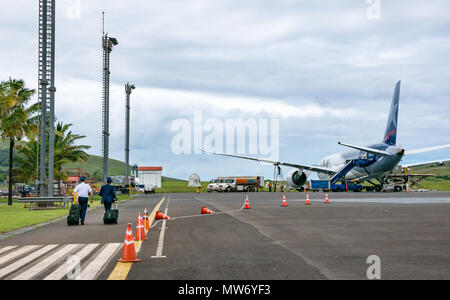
296 178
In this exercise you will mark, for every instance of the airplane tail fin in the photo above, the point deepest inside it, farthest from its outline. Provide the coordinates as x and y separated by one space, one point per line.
390 137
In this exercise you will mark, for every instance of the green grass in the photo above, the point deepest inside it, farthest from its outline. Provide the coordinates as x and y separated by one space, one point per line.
16 216
178 186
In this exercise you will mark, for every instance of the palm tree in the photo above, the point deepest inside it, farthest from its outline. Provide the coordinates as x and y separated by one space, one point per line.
65 151
15 118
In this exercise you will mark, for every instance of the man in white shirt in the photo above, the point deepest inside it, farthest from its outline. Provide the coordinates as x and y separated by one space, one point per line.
83 190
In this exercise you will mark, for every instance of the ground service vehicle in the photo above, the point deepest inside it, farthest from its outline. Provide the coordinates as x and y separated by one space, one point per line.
241 184
327 186
213 185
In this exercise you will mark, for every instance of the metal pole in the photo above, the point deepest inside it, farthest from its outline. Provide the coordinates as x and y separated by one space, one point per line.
43 27
106 73
128 89
107 44
52 89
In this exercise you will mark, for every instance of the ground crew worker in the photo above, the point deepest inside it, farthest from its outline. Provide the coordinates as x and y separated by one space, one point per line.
108 193
270 187
83 190
274 187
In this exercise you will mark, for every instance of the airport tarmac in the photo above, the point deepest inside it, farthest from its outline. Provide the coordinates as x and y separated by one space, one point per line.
409 232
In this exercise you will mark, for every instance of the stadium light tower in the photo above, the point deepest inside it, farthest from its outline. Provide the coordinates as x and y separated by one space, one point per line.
128 89
108 43
46 95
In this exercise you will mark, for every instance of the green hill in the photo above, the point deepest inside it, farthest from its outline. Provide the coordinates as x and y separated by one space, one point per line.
94 164
116 167
440 182
4 153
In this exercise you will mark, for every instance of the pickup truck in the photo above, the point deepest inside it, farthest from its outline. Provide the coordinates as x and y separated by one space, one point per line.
213 185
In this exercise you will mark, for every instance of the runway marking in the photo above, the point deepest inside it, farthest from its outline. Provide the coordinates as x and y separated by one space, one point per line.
17 253
62 271
6 249
43 265
13 267
91 271
159 251
121 270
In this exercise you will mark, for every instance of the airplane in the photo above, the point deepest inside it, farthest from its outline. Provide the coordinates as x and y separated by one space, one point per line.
373 162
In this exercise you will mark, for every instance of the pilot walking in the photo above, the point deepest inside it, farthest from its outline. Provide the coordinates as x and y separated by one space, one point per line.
83 190
108 193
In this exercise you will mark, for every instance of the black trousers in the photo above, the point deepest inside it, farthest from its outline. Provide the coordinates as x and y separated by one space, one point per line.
107 206
83 201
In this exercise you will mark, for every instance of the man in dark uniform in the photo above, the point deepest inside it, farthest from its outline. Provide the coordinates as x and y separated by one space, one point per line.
108 193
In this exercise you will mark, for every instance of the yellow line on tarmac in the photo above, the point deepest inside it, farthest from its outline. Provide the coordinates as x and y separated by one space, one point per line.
121 270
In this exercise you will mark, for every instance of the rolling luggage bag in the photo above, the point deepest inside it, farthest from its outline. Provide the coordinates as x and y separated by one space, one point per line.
74 215
111 216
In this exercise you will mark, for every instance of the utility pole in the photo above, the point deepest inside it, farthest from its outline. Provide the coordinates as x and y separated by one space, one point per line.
46 77
128 89
107 43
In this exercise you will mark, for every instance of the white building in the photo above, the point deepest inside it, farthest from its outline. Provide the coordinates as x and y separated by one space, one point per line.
150 177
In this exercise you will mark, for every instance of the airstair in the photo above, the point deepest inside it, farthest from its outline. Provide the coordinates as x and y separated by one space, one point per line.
348 167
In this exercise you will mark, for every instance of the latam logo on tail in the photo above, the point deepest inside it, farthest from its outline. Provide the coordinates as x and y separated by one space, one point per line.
390 134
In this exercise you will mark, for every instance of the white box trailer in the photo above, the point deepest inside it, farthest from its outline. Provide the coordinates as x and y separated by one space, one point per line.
150 178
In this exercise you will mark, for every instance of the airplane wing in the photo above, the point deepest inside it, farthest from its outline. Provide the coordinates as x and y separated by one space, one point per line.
366 149
318 169
416 151
425 163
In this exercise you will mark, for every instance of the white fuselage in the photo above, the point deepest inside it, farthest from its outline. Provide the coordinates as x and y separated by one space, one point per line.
382 165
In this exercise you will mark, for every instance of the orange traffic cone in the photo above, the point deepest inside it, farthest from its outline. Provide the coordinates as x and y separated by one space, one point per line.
247 204
206 211
146 221
161 216
284 203
129 251
326 199
140 230
307 199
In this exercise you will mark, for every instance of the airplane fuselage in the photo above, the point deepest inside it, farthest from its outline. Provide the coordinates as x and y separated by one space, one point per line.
377 168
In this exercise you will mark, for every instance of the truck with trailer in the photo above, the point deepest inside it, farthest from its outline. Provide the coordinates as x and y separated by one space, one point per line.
327 186
240 183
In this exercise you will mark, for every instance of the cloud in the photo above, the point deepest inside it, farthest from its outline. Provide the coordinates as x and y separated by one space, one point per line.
323 68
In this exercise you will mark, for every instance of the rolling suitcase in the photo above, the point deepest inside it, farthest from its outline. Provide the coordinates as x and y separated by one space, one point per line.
74 215
111 216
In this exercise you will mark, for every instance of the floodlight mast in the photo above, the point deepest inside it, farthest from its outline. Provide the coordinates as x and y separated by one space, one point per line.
46 95
107 44
128 89
51 132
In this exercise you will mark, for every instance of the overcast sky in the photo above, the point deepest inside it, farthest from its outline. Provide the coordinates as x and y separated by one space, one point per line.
325 69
